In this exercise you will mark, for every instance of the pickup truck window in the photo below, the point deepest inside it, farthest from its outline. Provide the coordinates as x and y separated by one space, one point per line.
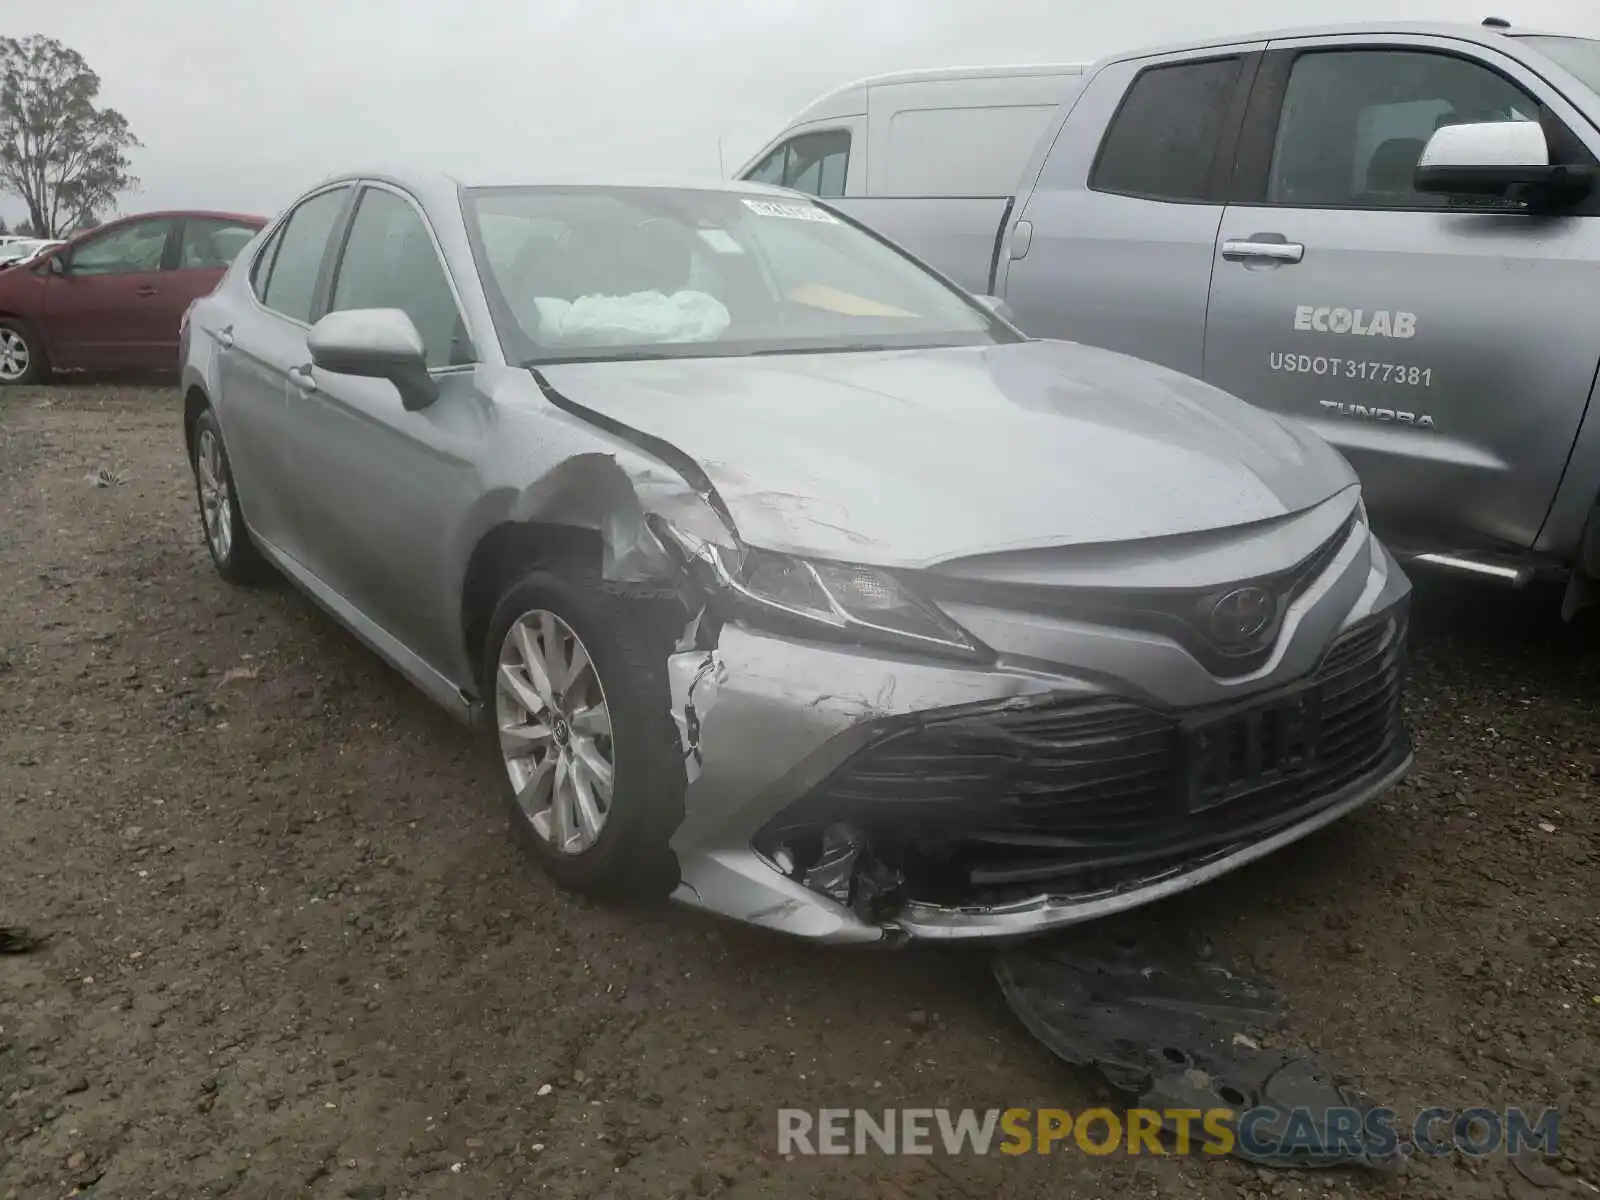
1580 56
1354 123
813 163
1163 139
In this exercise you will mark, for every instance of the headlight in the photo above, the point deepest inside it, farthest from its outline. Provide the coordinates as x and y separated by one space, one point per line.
841 599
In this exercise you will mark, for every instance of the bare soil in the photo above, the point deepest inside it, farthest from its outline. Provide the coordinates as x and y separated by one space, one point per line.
292 952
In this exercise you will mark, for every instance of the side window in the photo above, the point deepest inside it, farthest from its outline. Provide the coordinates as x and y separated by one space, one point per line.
814 163
389 261
210 243
262 267
1354 123
130 249
770 168
1163 139
292 285
817 163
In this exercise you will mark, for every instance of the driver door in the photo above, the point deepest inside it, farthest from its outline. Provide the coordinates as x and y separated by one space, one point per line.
108 309
393 484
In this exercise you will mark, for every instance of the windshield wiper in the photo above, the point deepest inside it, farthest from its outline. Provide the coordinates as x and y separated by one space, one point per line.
825 349
620 356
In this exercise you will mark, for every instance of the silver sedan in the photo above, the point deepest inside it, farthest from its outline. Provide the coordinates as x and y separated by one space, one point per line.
780 575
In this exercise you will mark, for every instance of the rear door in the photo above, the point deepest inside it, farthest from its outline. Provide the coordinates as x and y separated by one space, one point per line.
206 247
1113 247
265 337
108 311
1446 349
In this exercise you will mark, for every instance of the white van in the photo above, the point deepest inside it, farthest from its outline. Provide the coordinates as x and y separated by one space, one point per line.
962 134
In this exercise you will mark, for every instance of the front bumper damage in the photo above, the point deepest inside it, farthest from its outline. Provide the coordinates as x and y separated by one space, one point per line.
1095 758
841 797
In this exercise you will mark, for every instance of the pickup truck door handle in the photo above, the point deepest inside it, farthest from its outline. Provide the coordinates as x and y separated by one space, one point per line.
145 290
1260 247
225 337
301 378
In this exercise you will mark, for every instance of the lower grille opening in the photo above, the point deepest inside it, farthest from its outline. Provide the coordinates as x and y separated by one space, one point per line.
1088 796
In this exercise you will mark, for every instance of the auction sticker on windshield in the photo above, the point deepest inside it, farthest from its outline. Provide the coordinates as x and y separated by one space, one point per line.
794 212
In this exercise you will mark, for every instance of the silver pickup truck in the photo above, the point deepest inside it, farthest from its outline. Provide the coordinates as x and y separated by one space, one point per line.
1388 232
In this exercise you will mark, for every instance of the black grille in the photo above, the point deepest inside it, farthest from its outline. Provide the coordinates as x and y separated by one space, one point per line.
1084 795
1181 614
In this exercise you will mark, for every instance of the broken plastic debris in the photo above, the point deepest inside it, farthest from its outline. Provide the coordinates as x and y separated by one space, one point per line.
105 478
1176 1033
836 865
694 677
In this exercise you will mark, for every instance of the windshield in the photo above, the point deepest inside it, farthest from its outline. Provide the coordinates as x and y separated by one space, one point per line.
1577 56
604 273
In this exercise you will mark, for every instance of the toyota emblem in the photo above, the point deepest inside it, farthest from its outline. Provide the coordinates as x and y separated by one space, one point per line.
1241 615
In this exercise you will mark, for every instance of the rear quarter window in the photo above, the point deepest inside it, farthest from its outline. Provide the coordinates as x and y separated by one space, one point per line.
1162 142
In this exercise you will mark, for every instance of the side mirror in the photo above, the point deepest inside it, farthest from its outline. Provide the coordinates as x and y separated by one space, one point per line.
379 343
998 307
56 264
1507 161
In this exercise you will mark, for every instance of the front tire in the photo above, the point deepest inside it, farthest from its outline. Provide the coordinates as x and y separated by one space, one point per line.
22 359
235 556
577 722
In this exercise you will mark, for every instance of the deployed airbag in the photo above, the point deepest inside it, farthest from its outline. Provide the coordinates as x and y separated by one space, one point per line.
641 318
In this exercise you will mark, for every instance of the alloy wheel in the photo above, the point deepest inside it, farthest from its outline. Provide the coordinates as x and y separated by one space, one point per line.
555 731
216 495
15 356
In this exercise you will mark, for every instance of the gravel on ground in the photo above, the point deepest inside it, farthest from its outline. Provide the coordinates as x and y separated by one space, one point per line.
291 951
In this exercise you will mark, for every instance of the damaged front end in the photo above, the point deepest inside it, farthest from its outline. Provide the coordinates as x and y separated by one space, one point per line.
996 815
875 771
995 748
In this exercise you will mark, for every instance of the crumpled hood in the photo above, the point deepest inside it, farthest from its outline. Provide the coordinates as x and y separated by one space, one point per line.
908 458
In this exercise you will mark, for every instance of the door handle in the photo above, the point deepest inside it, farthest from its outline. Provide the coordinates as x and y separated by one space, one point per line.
225 337
1021 239
301 378
1261 249
145 290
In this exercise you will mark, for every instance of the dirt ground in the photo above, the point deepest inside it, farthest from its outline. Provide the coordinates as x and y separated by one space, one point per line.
291 951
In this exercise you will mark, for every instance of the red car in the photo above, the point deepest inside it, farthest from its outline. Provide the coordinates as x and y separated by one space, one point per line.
113 297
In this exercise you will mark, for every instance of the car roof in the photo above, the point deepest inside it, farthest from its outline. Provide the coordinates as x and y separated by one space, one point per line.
441 187
1487 35
207 213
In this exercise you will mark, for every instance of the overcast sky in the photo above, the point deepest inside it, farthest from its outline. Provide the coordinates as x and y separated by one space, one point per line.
243 103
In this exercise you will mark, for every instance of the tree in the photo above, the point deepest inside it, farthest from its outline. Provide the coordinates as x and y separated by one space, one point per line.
64 157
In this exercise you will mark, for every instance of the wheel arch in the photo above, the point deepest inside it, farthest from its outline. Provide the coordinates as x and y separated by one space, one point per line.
504 552
195 402
512 548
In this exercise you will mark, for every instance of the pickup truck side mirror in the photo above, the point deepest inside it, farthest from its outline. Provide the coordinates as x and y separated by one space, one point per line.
1507 161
